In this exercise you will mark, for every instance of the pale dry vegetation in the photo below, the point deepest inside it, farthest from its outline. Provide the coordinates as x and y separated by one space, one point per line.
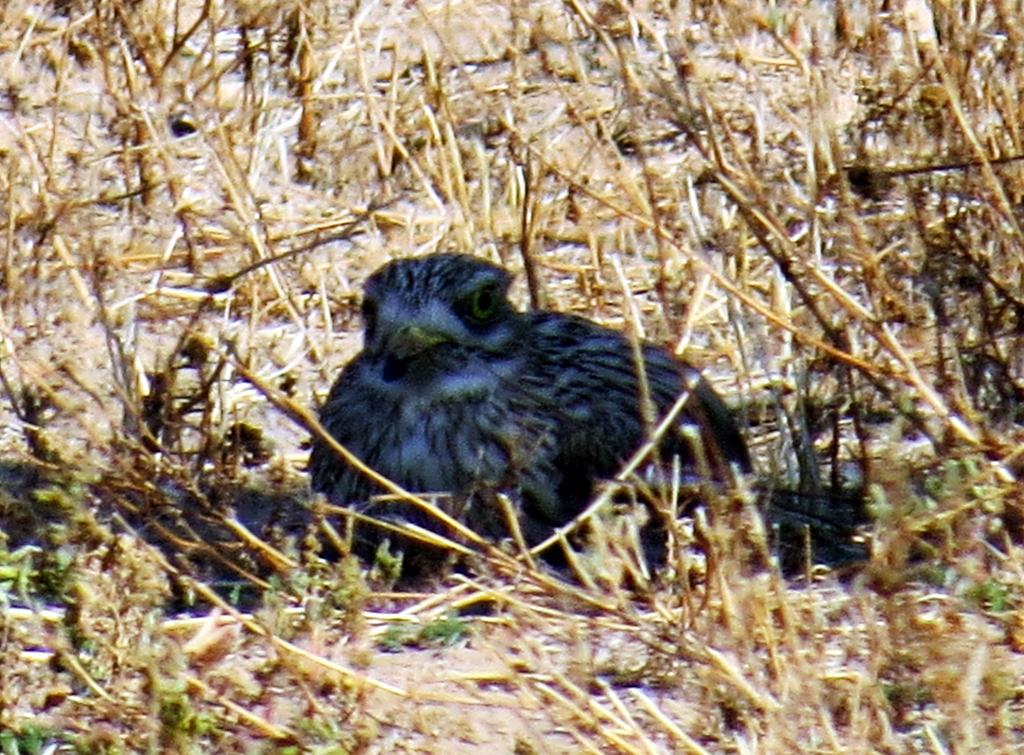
817 202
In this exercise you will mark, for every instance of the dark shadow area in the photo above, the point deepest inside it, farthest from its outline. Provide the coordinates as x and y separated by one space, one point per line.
243 540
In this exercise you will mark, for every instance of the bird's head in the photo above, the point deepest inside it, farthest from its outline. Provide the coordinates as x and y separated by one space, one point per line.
445 316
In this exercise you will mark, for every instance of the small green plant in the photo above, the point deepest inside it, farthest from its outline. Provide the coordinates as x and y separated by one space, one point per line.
387 565
27 740
180 723
18 570
395 638
444 632
989 595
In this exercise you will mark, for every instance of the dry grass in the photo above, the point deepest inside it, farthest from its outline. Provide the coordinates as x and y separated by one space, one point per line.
816 202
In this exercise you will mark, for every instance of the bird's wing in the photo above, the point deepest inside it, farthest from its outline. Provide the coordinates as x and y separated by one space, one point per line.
589 375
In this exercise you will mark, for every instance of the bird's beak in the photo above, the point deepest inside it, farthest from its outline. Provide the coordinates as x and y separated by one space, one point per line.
410 340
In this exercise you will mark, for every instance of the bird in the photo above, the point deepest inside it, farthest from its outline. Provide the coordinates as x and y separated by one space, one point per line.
457 391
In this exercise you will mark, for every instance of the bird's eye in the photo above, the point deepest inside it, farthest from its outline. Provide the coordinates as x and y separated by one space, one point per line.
482 304
369 315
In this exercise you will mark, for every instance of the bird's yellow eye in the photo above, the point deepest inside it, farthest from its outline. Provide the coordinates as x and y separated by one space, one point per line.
482 304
